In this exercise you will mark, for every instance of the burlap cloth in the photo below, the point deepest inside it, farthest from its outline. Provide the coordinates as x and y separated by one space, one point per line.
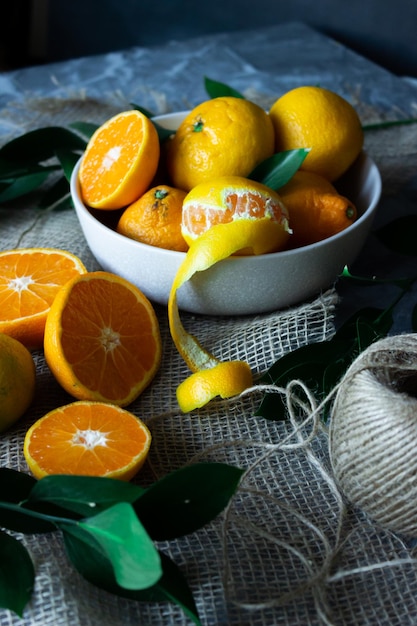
287 550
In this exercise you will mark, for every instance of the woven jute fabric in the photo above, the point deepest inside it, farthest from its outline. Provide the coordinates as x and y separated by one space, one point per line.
287 550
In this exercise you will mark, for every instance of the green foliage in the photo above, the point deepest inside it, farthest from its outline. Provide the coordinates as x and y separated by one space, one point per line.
109 528
321 365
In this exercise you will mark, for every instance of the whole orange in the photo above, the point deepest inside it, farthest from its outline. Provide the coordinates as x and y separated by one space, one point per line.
219 137
322 121
155 219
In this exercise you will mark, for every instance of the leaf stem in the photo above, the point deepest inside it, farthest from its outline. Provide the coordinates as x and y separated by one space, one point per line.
17 508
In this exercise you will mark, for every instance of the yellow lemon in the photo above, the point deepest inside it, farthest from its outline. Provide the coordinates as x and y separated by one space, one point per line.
17 380
322 121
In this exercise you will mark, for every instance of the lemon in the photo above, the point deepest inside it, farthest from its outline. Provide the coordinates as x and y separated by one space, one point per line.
323 122
17 380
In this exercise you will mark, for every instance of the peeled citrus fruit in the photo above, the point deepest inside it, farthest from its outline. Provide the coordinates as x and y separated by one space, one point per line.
120 161
155 219
29 281
102 339
316 210
87 438
17 380
322 121
219 137
232 198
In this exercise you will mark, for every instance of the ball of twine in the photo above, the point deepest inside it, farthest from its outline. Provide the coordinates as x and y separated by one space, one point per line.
373 433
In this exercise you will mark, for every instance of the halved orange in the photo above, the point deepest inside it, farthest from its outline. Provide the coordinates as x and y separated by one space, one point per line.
87 438
29 281
120 161
102 339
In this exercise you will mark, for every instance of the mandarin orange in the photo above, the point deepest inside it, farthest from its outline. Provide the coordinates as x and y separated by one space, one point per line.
232 198
316 209
120 161
102 339
29 281
219 137
155 219
89 439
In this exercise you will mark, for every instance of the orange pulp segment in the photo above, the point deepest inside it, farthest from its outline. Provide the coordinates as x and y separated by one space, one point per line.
120 161
29 281
102 339
87 438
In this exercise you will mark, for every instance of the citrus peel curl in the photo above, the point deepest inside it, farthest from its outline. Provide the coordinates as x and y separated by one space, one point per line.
211 377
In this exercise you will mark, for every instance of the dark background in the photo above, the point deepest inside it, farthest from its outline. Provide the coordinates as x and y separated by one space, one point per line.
39 31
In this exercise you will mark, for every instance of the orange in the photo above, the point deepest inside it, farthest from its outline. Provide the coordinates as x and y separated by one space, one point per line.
102 339
316 210
155 219
120 161
29 281
324 122
219 137
17 380
87 438
231 198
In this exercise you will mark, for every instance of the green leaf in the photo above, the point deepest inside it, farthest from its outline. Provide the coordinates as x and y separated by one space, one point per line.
186 499
400 235
124 541
15 486
85 128
95 567
41 144
68 161
316 364
278 169
22 186
17 574
83 494
216 89
53 197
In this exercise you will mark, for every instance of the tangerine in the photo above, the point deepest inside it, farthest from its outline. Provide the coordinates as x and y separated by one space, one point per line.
232 198
155 219
17 380
89 439
120 161
29 281
316 210
102 339
219 137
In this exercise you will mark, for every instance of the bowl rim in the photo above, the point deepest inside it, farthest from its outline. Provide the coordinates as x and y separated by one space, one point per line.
83 209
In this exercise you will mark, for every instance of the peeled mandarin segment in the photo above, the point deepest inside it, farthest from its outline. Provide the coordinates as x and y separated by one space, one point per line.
102 339
224 379
120 161
211 377
87 438
29 281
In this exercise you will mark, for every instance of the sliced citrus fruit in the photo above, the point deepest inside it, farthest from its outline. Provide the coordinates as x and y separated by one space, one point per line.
29 281
233 198
120 161
102 339
87 438
212 377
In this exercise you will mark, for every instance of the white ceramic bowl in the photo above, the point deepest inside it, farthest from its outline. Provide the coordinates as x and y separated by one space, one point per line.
238 285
